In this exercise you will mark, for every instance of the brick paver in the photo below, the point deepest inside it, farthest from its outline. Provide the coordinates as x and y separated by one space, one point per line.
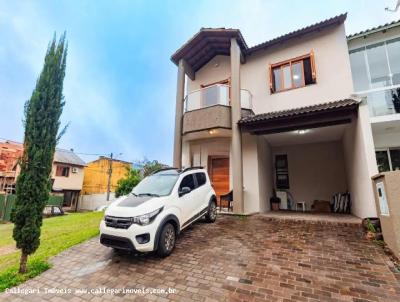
235 259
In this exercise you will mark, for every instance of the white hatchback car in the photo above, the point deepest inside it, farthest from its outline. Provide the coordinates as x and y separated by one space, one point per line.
158 209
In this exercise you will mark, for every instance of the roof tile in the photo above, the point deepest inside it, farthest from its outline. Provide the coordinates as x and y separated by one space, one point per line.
298 111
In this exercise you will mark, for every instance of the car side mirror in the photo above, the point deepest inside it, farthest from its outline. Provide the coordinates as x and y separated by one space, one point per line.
184 191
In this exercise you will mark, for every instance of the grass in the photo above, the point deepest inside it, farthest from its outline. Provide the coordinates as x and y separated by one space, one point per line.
58 234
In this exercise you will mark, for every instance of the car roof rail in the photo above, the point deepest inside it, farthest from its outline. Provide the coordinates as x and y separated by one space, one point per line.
163 169
192 168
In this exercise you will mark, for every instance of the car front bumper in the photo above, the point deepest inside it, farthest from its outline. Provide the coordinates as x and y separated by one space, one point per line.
127 239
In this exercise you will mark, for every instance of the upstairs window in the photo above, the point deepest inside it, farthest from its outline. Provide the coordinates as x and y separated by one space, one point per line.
294 73
62 171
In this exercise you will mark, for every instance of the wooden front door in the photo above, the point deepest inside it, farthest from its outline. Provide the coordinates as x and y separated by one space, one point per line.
219 175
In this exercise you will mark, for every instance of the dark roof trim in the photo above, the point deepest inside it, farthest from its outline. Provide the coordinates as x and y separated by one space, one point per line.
373 30
209 42
337 20
321 115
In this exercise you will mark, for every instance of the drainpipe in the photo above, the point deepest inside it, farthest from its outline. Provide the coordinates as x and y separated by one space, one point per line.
236 142
180 91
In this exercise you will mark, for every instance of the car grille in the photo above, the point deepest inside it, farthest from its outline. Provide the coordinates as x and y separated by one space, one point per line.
117 222
116 242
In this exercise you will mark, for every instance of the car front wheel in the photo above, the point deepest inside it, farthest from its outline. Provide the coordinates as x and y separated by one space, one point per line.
211 215
167 240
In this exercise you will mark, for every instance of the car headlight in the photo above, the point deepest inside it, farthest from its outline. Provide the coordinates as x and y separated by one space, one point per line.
146 218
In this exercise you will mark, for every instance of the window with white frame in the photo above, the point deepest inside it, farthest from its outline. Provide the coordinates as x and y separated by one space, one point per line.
388 159
376 65
376 74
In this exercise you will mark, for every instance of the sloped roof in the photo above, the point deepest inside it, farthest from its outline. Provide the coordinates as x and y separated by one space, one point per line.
298 111
209 42
300 32
374 29
206 44
67 157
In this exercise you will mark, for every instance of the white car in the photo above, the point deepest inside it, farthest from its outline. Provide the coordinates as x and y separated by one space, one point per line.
157 210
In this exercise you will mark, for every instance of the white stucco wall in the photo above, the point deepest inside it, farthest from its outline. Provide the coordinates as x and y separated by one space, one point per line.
91 202
386 140
316 171
360 162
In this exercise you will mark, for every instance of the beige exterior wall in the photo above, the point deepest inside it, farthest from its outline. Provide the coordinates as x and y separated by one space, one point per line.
251 185
265 174
332 63
390 223
257 174
316 171
360 164
73 182
199 150
334 82
217 69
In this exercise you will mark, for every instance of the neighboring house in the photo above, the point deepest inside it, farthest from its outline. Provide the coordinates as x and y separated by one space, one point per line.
97 174
276 116
375 64
66 175
10 153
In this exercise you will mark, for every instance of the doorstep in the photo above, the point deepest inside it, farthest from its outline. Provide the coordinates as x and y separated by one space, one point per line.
314 218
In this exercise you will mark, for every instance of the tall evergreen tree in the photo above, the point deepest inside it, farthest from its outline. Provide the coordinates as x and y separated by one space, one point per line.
42 123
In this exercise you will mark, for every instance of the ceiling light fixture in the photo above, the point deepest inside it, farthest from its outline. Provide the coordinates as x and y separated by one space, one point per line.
302 131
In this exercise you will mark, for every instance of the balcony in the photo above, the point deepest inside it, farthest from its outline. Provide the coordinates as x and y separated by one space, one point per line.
214 95
383 102
209 108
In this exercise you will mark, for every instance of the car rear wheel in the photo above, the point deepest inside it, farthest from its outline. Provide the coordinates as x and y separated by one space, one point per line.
166 244
211 215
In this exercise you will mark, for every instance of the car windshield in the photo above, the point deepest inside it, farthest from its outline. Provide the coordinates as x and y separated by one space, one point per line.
159 184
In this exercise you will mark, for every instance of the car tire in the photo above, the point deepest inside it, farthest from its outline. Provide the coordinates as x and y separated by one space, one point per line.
211 215
166 243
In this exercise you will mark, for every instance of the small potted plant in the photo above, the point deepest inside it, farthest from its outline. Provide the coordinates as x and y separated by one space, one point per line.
275 202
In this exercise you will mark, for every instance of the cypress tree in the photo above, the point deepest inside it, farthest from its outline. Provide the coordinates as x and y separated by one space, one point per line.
42 123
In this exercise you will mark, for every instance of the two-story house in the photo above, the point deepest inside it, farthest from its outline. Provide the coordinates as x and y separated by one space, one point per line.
67 176
66 173
278 116
375 64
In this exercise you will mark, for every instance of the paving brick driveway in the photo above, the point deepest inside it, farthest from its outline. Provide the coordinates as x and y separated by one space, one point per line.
247 259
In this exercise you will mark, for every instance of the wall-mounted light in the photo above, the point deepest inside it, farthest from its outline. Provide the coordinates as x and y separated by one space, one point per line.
302 131
212 131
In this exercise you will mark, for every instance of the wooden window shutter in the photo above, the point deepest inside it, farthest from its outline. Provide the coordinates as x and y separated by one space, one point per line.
313 71
271 86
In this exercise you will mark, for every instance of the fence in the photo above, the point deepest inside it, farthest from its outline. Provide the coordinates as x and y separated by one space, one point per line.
6 204
91 202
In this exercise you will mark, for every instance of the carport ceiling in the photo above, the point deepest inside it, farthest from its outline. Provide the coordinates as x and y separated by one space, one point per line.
315 135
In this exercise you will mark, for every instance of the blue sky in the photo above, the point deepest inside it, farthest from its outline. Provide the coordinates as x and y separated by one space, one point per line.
120 83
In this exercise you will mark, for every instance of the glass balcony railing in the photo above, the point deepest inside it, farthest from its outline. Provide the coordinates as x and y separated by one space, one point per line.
383 102
214 95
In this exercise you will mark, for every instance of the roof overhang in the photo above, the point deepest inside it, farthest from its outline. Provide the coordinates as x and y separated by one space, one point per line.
210 42
367 32
322 115
206 44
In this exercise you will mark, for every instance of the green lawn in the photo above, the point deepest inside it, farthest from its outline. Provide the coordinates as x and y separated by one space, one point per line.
58 234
